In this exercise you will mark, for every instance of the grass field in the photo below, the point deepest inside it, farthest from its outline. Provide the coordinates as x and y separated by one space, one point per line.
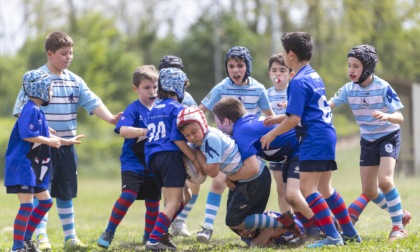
97 196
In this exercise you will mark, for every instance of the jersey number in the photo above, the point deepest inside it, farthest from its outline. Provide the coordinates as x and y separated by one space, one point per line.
326 110
156 133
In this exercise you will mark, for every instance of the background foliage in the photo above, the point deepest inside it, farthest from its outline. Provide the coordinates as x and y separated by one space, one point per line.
112 38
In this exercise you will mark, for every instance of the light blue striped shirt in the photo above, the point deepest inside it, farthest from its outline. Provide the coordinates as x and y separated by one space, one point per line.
379 95
253 96
69 93
275 97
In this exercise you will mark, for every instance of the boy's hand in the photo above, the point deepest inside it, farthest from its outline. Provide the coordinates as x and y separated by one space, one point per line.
230 184
70 141
380 115
266 140
54 142
115 118
282 104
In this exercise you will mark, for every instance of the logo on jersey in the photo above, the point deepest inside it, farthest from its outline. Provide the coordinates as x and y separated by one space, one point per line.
338 93
391 95
209 150
71 98
389 148
365 103
31 126
241 98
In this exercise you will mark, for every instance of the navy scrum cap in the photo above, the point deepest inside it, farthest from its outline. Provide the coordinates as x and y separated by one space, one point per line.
241 53
368 56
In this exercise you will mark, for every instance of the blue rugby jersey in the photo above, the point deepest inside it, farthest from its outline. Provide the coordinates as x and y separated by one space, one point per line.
70 93
275 97
306 99
249 129
253 96
18 168
379 95
162 128
135 115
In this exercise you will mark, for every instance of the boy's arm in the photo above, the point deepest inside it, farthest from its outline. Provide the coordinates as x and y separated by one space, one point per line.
250 168
210 169
203 108
276 119
331 104
102 112
268 112
289 123
53 141
132 132
183 146
395 118
70 141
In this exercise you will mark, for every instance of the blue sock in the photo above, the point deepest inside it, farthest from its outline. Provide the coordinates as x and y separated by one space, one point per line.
66 213
212 206
19 227
187 209
380 201
393 201
260 221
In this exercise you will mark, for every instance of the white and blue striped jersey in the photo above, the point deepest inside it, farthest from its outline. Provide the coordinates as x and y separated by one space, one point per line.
306 99
162 128
188 100
379 95
219 148
70 92
275 97
253 96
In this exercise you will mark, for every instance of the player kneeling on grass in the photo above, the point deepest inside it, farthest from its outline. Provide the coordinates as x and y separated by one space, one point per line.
271 237
216 152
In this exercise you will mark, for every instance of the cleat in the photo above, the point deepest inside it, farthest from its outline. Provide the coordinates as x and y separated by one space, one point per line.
43 243
288 222
397 233
105 239
355 239
167 240
204 235
313 233
179 228
158 246
75 243
327 241
31 246
406 217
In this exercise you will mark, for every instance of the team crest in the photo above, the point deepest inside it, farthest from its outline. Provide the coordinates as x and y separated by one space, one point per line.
365 102
241 98
389 148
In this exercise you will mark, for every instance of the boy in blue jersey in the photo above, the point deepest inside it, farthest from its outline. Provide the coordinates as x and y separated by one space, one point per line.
216 152
70 93
242 86
164 152
247 129
28 159
377 110
308 107
137 181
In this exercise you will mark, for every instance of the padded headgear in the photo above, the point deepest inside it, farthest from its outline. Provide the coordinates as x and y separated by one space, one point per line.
173 80
36 84
368 56
241 53
171 61
192 114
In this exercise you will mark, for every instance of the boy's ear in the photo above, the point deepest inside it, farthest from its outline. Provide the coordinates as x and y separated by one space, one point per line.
291 74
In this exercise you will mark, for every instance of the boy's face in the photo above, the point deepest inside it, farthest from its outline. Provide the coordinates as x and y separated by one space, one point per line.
279 75
146 92
355 68
61 59
225 126
236 69
193 133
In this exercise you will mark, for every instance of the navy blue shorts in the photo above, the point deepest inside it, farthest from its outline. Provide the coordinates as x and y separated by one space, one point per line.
291 170
248 198
145 187
317 165
64 172
386 146
168 169
25 189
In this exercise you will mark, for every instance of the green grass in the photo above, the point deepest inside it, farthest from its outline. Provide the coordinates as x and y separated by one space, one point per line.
97 196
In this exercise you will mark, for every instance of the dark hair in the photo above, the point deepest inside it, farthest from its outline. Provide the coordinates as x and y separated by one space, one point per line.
279 58
229 108
57 40
146 72
171 61
298 42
